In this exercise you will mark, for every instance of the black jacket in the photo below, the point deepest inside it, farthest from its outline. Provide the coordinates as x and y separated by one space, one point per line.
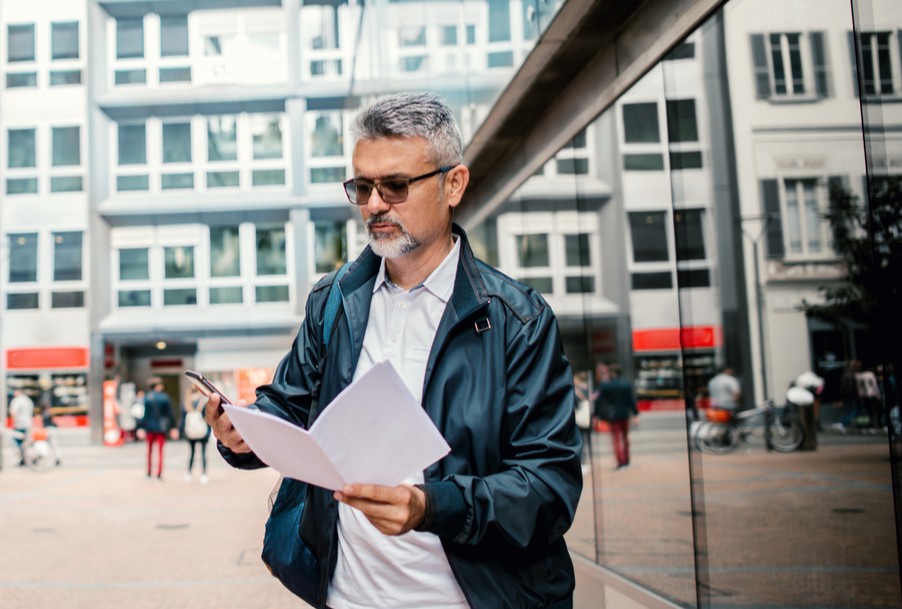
157 413
499 389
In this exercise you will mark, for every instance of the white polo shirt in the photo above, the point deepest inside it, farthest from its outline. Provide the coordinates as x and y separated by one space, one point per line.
410 571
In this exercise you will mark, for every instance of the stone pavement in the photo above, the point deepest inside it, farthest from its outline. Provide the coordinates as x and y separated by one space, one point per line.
809 529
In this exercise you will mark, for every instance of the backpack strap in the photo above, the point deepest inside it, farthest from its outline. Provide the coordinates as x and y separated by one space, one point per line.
332 303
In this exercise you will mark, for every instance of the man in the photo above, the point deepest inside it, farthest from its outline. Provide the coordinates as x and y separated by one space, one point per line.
484 526
21 409
156 423
724 391
616 404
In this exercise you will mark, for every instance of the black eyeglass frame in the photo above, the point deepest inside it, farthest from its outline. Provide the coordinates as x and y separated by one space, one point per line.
377 183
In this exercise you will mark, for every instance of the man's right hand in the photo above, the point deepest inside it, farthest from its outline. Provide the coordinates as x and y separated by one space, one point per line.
222 426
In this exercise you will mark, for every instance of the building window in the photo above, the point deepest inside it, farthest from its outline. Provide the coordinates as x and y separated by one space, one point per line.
641 130
790 65
267 136
271 258
330 246
578 264
132 145
174 36
225 251
178 262
67 256
23 257
648 231
805 229
651 255
682 134
66 146
321 35
689 238
640 123
325 143
177 142
64 40
20 43
222 138
134 264
129 37
21 150
877 63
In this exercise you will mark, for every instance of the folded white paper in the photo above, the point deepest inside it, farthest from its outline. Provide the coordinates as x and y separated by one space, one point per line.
373 432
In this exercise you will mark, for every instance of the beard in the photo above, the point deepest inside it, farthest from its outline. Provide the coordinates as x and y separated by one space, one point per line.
389 246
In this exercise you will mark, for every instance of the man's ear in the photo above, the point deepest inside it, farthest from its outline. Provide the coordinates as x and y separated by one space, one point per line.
457 180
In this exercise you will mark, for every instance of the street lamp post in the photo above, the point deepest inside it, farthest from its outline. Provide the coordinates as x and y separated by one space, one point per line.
759 294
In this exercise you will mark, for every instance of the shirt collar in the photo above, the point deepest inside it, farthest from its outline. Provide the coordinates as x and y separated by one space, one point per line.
440 282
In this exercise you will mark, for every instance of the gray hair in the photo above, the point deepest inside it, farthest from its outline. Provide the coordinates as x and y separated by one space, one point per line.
423 115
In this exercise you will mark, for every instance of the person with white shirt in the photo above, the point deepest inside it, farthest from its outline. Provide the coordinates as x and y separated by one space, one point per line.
484 526
21 409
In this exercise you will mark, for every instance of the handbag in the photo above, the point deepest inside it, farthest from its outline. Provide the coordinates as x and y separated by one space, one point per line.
284 552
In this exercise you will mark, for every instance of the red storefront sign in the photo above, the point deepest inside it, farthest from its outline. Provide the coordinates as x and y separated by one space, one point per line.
46 358
675 339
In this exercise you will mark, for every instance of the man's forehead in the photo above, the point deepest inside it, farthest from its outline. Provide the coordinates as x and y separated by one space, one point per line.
389 154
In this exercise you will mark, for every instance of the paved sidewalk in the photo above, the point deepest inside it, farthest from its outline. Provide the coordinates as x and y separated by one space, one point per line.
96 534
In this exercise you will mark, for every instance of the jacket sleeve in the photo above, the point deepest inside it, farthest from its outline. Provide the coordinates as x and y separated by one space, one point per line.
532 498
290 394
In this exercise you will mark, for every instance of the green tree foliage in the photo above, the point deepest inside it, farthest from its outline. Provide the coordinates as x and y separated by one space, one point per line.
868 238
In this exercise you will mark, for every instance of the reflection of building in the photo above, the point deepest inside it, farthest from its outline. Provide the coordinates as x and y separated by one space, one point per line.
799 131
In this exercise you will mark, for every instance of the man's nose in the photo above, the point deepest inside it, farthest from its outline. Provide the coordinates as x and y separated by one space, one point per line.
375 203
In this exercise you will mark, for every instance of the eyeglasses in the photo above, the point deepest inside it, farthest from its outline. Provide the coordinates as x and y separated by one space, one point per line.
391 190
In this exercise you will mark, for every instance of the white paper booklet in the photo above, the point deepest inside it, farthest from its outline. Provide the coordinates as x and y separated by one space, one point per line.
373 432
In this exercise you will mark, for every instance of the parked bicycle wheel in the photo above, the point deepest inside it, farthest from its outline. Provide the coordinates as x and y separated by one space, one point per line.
717 438
40 456
786 435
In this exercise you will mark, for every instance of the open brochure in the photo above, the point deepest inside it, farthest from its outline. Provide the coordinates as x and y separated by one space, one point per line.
373 432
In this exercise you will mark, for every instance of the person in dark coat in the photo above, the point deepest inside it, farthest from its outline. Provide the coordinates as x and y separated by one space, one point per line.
616 404
156 423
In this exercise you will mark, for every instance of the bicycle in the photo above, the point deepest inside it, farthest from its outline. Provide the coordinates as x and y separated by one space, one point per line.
724 430
39 451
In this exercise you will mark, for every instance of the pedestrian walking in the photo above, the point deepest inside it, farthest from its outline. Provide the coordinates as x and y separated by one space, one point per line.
156 424
196 431
21 409
616 405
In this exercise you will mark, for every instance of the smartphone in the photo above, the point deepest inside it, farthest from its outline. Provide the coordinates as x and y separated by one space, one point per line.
205 386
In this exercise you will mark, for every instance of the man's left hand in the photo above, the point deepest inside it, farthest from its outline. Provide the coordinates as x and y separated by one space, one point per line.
393 510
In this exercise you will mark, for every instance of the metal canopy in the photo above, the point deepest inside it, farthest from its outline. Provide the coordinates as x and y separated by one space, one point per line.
591 53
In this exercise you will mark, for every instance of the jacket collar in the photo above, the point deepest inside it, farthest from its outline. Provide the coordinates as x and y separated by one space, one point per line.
469 289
